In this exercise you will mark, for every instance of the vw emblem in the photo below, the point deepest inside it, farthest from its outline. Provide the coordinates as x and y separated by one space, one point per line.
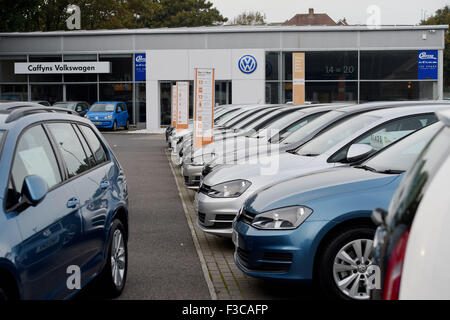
247 64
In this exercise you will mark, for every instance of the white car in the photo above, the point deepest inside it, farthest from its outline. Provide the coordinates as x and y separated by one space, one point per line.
411 244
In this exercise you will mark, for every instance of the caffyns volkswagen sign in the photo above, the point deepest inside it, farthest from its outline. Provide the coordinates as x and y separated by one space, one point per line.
247 64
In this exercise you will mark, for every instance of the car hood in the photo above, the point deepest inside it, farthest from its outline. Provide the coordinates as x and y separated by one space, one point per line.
319 187
284 164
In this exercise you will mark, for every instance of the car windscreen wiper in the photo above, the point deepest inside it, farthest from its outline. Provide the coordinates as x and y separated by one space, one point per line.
308 154
367 168
391 171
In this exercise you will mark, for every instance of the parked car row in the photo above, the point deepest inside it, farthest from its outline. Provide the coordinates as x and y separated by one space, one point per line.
304 211
64 205
104 114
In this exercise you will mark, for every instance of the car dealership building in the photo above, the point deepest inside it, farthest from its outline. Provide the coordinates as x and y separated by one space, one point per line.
253 64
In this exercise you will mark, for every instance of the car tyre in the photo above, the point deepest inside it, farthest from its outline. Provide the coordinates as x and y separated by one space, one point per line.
325 272
114 126
127 125
114 275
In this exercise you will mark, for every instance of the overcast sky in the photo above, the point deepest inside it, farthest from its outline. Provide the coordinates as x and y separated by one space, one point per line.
391 11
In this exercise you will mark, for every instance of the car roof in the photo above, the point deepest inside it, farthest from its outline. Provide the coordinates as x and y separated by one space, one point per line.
12 112
407 110
444 116
388 104
109 102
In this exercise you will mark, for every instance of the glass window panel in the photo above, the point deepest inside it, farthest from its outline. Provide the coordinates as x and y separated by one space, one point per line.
7 69
14 92
388 65
272 66
287 92
272 92
81 92
337 65
117 92
33 145
287 65
47 92
95 144
45 77
326 92
74 156
398 91
141 103
80 77
121 68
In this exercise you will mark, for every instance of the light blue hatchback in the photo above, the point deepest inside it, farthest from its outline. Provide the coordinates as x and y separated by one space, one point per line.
109 115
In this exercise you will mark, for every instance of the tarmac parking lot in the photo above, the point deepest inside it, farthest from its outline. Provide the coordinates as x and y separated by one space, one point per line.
169 257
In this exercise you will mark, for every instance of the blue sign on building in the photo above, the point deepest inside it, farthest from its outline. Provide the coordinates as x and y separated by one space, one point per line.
427 64
139 66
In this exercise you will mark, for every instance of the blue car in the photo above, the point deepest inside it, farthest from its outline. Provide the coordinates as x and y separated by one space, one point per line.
109 115
318 226
64 205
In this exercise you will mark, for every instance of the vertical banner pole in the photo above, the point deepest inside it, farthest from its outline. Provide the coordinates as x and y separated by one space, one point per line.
174 106
182 105
298 65
204 106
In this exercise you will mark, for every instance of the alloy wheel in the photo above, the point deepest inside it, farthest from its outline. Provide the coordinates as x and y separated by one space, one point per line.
351 270
118 258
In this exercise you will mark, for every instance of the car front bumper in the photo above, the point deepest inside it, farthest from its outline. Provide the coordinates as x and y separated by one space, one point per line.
104 124
192 175
284 254
215 215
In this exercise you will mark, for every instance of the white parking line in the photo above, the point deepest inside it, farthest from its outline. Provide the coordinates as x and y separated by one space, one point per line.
209 283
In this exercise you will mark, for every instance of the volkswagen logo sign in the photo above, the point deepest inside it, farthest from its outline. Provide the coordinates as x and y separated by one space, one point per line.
247 64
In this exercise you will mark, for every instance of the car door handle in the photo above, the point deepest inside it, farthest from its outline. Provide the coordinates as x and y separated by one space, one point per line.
104 184
73 203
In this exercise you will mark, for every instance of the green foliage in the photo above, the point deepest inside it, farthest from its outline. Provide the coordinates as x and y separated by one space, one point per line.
250 18
50 15
442 16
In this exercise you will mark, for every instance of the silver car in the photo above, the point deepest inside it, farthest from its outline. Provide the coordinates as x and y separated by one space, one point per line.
223 191
193 160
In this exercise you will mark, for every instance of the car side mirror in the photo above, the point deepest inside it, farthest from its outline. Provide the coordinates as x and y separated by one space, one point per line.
358 151
34 190
379 216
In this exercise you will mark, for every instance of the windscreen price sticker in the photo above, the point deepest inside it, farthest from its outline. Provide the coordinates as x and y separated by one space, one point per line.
204 103
226 310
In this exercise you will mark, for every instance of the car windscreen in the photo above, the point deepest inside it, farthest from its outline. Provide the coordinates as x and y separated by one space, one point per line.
102 107
294 126
70 106
303 132
240 120
335 135
257 118
237 117
400 156
225 115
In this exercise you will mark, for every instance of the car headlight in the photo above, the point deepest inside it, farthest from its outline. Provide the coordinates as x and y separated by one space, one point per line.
230 189
109 117
282 219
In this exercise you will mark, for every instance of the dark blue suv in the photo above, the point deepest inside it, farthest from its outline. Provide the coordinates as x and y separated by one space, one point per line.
64 205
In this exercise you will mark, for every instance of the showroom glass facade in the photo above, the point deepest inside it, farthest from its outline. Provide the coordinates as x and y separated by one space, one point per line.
330 76
119 85
359 76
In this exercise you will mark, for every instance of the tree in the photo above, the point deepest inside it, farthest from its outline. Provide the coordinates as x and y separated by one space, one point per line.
50 15
442 16
250 18
185 13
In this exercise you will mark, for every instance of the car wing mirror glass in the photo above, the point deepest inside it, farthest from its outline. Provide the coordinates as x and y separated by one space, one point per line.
34 190
358 151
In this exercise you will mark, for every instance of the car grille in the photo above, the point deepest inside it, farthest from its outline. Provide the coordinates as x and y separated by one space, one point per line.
205 189
246 217
225 217
201 217
191 182
220 225
281 261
